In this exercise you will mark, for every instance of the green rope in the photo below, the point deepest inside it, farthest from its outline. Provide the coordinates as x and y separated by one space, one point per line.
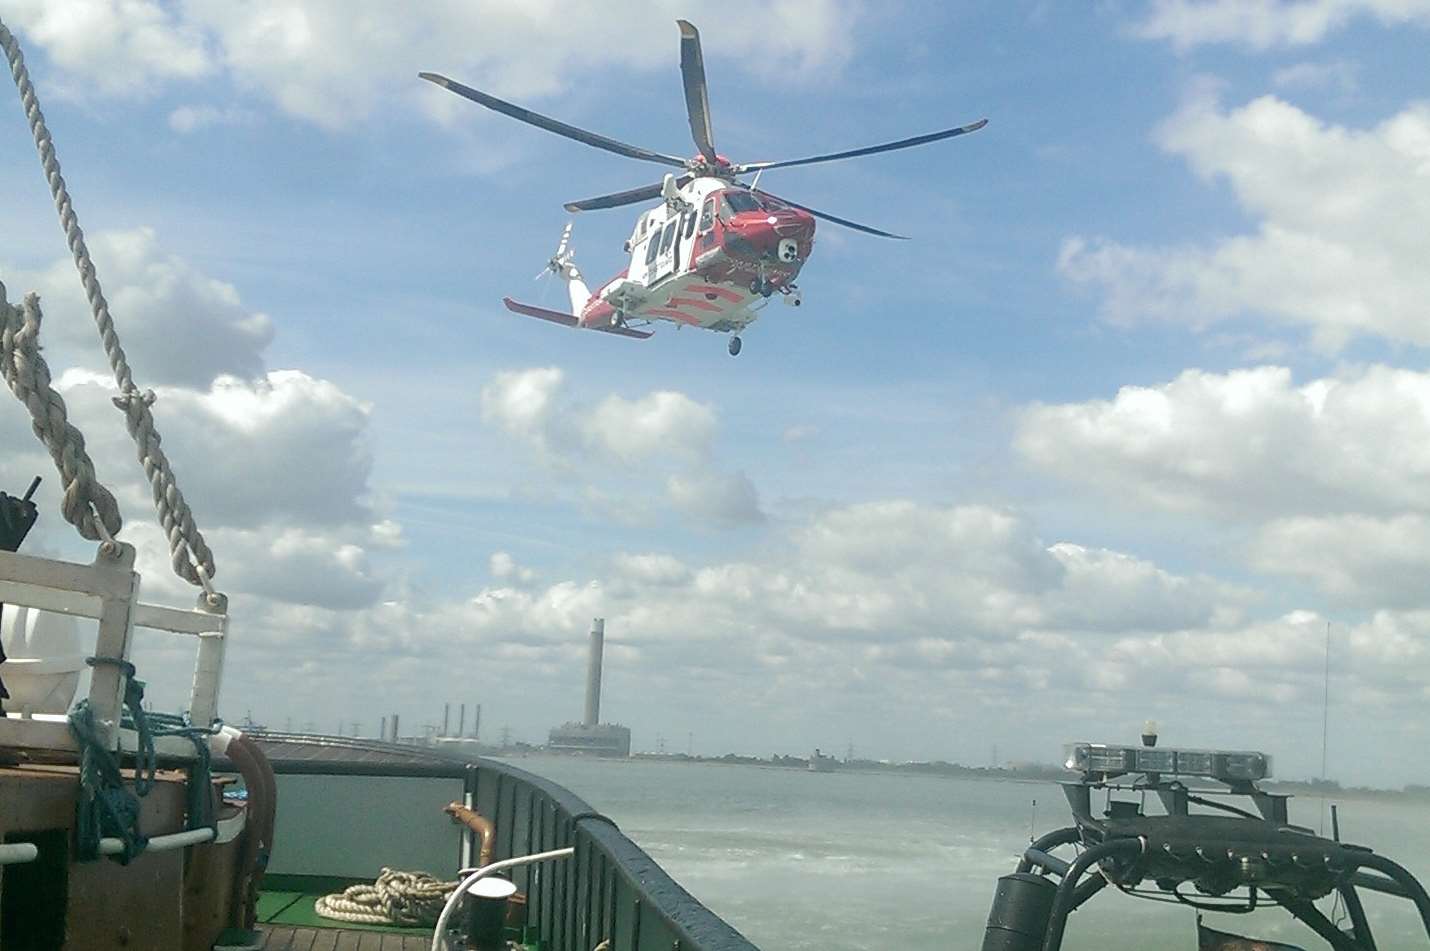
107 807
200 807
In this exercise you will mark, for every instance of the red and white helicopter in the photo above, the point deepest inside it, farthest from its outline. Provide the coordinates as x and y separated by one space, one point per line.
714 251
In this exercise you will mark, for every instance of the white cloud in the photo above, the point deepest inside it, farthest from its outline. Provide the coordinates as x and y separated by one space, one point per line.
331 63
177 324
1338 249
187 119
1247 443
664 436
505 568
725 498
115 47
1262 24
283 450
275 464
1356 560
1337 75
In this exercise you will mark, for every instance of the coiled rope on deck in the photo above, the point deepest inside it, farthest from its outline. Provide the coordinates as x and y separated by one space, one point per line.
401 898
189 553
86 504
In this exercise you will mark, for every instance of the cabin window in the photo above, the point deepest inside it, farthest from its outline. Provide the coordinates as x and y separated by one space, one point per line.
668 239
652 248
707 215
742 201
689 229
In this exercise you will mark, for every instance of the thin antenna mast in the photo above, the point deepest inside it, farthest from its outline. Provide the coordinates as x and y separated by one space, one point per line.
1325 724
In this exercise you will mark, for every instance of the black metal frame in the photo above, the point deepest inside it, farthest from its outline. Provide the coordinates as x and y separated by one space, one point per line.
610 889
1122 859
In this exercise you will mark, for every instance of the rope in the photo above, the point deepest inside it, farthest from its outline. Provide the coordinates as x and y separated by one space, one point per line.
106 806
86 504
189 553
199 807
401 898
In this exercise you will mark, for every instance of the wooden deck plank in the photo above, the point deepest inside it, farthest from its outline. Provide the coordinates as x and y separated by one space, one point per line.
277 939
289 938
303 939
327 940
347 941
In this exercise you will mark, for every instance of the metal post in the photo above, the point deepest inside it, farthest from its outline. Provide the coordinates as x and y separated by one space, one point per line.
394 728
477 723
462 721
208 667
116 631
382 730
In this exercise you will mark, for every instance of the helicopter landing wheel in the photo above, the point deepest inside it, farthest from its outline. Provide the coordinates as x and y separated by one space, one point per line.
734 346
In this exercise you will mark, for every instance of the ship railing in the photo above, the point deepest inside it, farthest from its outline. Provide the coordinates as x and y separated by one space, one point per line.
610 890
107 591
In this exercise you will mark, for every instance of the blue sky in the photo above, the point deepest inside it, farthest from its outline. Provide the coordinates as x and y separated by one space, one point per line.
1139 406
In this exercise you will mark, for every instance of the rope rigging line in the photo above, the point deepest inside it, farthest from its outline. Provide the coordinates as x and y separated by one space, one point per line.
189 553
86 503
404 898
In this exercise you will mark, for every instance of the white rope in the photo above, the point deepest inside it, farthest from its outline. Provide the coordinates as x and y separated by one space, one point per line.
399 898
86 504
189 554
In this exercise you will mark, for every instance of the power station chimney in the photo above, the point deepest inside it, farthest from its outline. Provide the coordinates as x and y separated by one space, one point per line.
477 723
593 672
446 717
462 721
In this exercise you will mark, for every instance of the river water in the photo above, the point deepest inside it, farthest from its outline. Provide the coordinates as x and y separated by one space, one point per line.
838 861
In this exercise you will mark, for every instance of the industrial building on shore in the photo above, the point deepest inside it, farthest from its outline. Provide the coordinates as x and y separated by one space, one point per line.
591 737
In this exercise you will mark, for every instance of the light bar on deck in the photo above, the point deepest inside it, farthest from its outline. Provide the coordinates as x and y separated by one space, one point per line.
1228 766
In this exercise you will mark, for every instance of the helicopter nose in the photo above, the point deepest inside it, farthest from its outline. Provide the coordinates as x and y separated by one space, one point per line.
792 223
768 228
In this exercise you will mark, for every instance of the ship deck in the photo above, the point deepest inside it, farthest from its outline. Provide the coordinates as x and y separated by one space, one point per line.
288 923
287 938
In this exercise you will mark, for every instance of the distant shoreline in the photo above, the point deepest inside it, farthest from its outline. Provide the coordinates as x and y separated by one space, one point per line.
1022 773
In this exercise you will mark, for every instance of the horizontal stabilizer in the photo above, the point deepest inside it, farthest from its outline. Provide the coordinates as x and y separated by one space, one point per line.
556 317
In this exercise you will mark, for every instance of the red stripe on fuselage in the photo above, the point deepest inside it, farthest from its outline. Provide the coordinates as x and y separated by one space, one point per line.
691 302
724 292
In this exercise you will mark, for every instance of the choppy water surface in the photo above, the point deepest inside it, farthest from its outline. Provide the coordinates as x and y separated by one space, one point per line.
836 861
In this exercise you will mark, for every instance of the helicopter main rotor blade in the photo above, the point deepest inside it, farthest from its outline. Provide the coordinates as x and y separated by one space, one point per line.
644 193
870 150
834 218
552 125
697 97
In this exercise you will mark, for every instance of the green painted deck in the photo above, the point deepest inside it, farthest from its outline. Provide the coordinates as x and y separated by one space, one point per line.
288 923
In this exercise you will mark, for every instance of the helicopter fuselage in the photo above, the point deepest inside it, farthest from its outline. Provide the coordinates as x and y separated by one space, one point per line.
709 256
